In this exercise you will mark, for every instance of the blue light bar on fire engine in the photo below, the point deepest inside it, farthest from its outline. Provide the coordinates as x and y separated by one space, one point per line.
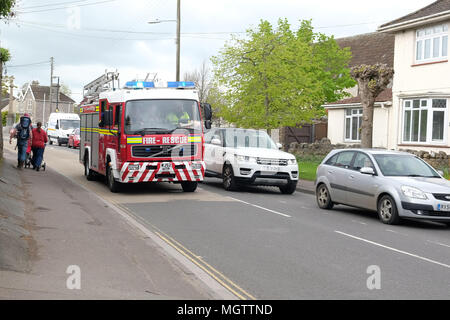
139 84
180 84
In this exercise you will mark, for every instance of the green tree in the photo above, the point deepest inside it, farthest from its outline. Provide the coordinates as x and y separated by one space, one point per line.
4 57
279 77
6 7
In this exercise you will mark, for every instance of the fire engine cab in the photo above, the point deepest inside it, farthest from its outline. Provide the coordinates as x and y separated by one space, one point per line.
142 133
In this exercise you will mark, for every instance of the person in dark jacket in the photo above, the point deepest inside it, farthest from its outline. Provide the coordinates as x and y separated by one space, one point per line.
39 139
22 132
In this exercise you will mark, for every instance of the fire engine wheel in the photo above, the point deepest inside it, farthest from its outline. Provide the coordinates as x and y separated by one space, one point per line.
113 185
88 172
189 186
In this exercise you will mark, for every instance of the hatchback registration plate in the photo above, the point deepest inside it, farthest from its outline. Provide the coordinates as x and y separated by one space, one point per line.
443 207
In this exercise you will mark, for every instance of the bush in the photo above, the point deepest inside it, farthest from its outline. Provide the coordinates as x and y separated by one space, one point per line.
4 116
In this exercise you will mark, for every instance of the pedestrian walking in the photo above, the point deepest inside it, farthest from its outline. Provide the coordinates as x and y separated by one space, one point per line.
39 140
22 132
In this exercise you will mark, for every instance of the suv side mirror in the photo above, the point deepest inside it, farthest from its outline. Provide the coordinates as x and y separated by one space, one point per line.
367 170
279 145
216 142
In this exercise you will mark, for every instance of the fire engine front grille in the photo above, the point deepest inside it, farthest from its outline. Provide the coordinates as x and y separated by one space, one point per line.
274 162
167 151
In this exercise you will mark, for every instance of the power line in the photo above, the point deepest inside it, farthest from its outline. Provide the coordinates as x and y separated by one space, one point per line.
65 7
29 64
52 4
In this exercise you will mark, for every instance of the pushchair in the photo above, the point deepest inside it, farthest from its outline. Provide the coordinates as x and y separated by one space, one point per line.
28 159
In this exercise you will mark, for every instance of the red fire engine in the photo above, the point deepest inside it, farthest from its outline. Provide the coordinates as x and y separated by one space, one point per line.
142 133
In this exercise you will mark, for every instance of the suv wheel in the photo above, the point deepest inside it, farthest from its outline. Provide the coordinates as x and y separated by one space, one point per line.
387 210
289 188
323 197
229 181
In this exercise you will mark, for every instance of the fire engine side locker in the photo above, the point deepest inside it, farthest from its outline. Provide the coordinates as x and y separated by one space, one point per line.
94 141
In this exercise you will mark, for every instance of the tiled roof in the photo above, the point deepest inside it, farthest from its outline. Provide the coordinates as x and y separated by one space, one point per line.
370 48
39 91
434 8
5 100
384 96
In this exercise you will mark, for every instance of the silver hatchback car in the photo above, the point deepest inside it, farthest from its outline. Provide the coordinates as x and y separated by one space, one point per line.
395 184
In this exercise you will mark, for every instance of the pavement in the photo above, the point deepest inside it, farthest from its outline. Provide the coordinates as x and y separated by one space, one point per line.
49 223
306 186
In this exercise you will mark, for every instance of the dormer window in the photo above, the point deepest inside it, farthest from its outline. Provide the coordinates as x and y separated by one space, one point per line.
432 43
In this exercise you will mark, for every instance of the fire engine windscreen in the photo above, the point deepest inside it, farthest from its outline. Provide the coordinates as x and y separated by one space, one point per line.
161 116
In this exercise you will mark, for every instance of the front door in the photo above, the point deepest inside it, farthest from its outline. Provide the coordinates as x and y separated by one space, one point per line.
338 171
362 187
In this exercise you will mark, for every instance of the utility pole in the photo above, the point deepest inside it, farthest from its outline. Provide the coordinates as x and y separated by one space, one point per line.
178 38
57 95
51 84
11 114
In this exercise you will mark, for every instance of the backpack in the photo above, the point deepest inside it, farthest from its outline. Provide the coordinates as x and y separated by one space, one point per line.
23 129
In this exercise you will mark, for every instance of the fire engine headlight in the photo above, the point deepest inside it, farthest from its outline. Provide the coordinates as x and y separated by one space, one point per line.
133 167
196 166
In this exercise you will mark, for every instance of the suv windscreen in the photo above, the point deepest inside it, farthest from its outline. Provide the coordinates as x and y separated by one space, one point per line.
248 138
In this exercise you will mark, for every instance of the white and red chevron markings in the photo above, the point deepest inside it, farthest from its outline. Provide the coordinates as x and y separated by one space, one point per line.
153 172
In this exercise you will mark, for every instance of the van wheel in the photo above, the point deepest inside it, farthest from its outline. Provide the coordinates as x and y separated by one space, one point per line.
59 142
50 141
387 210
113 185
88 172
189 186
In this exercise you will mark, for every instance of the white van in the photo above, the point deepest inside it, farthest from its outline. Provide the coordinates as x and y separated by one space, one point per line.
60 125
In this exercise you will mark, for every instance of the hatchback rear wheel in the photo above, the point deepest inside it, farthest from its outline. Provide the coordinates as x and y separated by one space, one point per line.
323 197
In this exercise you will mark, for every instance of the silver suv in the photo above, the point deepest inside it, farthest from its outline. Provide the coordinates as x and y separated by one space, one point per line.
395 184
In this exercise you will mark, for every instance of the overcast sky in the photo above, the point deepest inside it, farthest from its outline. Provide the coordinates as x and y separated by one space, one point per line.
84 37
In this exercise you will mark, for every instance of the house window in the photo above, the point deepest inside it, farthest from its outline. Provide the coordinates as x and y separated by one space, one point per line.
432 43
30 105
424 120
353 120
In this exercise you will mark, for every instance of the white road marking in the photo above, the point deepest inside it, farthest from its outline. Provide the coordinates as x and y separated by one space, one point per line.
393 231
363 223
259 207
440 244
395 250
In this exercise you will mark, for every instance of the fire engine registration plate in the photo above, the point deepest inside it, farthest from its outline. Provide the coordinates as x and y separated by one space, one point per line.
166 166
443 207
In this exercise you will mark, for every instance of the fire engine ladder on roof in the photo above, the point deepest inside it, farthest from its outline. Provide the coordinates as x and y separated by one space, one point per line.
106 82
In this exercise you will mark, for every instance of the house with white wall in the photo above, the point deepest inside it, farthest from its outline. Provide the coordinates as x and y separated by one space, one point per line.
345 116
421 86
